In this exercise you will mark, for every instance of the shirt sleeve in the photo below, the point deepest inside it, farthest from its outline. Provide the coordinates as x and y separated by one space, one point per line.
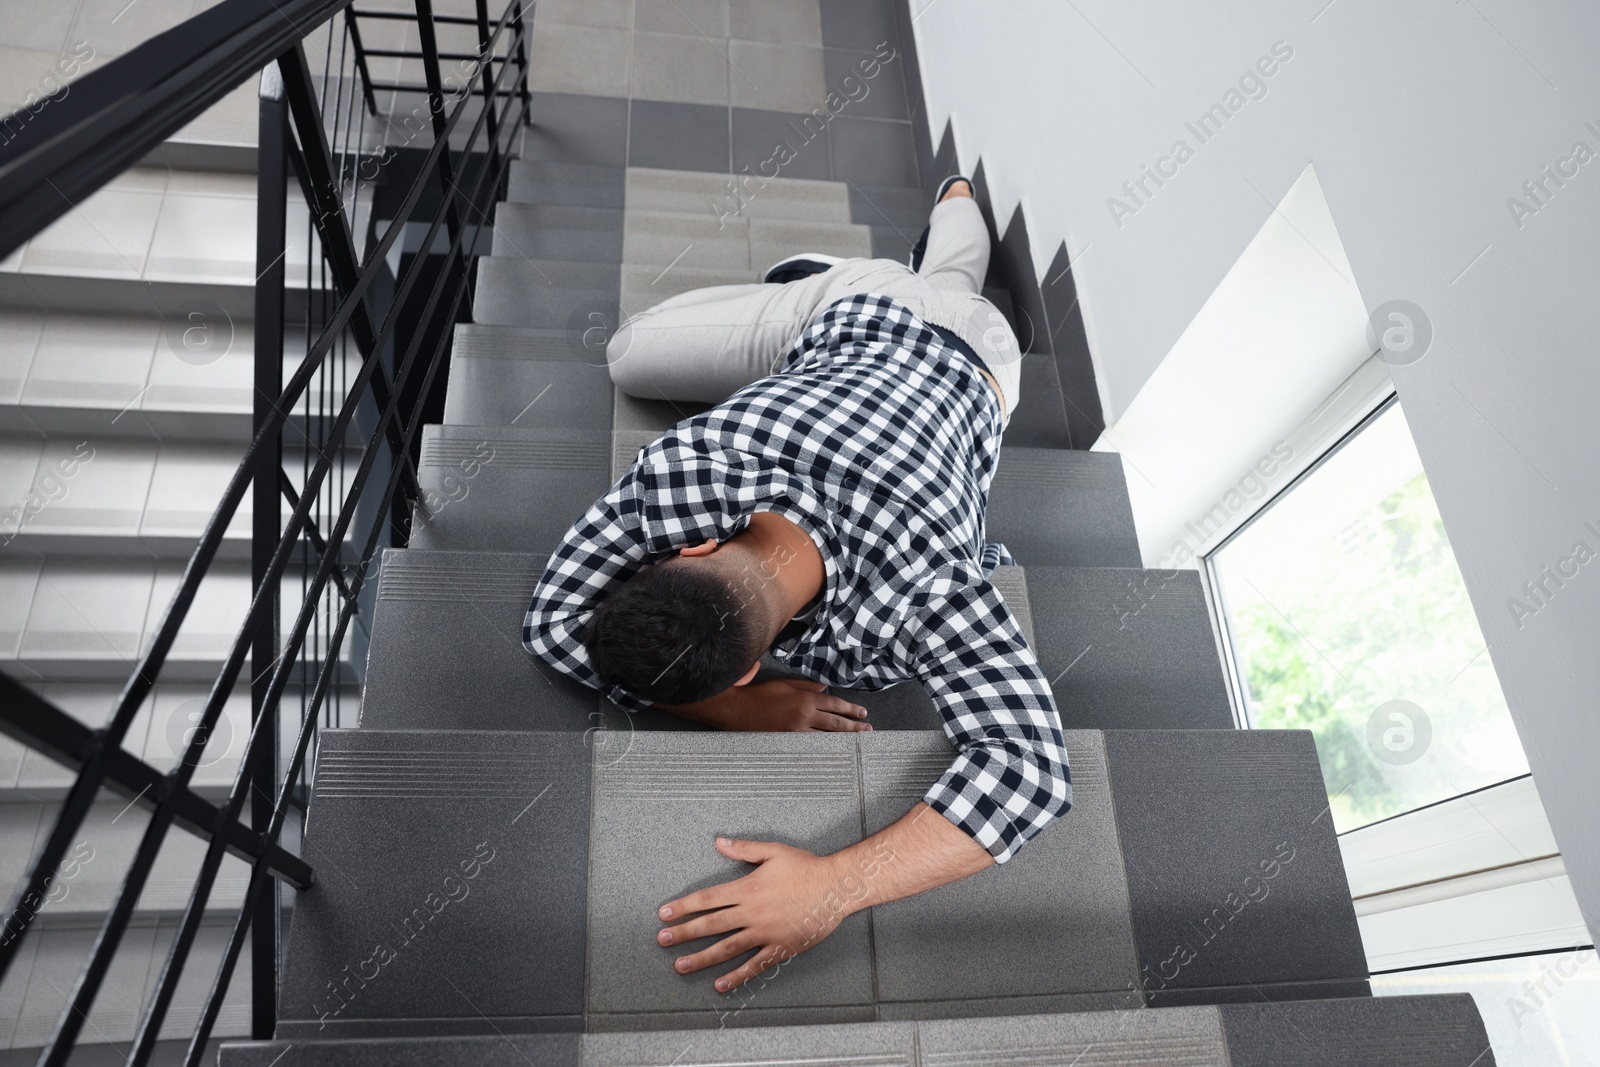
603 546
1011 778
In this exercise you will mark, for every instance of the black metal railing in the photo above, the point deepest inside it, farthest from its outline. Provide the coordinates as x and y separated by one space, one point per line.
354 427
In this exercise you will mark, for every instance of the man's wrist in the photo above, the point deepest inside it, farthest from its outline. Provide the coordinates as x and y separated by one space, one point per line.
856 873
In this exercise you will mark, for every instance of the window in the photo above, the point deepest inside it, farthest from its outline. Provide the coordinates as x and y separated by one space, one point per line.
1345 614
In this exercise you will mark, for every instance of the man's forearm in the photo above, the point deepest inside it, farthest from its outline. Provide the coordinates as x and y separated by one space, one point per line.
922 850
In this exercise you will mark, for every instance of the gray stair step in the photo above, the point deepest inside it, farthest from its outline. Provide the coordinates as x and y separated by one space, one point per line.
1040 418
1123 648
447 653
1410 1031
1060 508
717 196
1237 888
519 292
891 243
438 849
517 376
1128 649
561 243
527 218
505 488
901 207
572 184
1173 844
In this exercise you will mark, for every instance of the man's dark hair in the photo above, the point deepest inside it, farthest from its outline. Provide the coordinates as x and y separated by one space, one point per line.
676 632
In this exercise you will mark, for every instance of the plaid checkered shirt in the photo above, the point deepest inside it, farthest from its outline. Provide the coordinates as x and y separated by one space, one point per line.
879 439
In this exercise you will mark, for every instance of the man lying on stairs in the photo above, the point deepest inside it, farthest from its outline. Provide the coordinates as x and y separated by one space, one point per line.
830 512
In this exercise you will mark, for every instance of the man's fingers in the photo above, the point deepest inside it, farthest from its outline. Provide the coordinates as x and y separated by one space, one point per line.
841 706
829 722
723 951
716 922
703 900
748 851
760 963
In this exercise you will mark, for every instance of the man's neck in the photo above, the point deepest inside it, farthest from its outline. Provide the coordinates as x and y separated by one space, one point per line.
801 573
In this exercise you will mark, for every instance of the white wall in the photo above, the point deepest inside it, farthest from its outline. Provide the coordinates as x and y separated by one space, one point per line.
1422 119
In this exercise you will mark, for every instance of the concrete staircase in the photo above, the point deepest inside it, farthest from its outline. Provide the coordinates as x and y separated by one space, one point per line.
492 841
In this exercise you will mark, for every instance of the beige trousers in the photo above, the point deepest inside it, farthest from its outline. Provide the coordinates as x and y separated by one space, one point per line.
704 345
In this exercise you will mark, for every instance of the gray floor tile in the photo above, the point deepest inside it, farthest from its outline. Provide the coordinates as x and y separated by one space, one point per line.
678 136
893 206
682 67
1012 584
987 1008
888 243
574 128
1040 418
657 416
877 1044
437 851
579 59
646 285
518 292
772 240
1188 1036
858 23
446 649
656 812
906 706
568 273
776 21
1052 507
496 1050
625 446
1257 992
1138 644
880 96
507 489
777 144
557 244
876 151
686 239
1051 921
519 220
776 77
1234 874
1419 1031
699 17
517 384
583 185
618 13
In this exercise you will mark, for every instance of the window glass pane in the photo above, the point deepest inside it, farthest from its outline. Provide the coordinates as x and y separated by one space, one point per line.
1348 617
1540 1011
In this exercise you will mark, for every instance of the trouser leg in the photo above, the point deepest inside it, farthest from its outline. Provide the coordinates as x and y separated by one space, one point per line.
957 256
703 345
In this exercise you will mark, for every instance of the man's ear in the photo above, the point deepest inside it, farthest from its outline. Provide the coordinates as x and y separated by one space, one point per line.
749 674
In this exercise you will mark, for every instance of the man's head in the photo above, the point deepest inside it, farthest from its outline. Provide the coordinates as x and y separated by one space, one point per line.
685 628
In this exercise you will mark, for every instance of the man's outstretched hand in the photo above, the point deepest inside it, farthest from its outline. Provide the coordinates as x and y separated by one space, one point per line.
794 898
783 907
777 705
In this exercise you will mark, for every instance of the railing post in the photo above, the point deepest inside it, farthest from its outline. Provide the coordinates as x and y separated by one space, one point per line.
272 180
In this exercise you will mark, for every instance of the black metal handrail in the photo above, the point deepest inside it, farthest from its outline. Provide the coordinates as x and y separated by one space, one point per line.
117 115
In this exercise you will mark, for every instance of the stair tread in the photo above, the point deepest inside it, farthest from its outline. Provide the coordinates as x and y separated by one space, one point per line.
593 830
517 292
1060 507
501 488
1431 1030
